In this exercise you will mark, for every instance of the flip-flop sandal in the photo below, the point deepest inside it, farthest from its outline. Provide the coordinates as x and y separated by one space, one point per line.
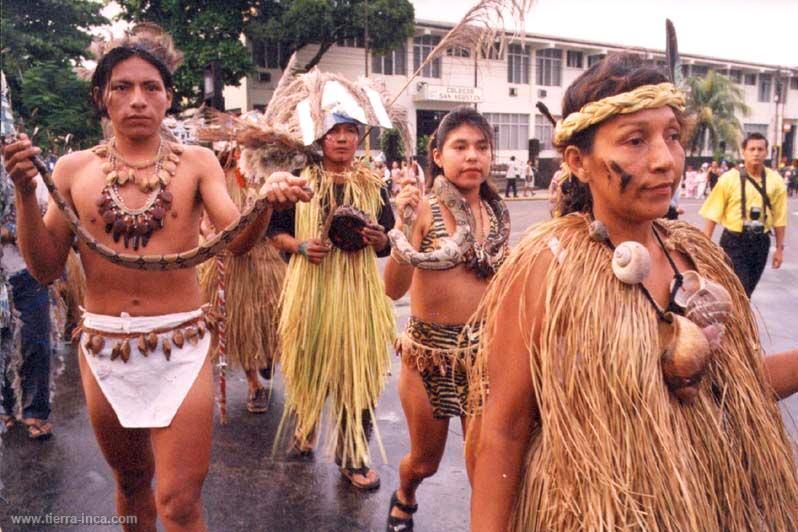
39 429
299 451
8 421
398 524
258 402
349 474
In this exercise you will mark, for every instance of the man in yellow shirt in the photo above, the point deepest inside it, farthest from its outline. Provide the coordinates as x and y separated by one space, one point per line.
750 203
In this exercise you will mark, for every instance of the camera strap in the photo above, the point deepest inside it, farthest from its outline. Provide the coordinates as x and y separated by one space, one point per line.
762 192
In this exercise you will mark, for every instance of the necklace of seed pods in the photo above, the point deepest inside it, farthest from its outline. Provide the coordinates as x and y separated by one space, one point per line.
136 226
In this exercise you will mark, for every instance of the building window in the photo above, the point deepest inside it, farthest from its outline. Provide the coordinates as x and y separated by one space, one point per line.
422 47
494 51
699 71
510 130
391 64
794 83
755 128
749 79
736 75
549 67
518 64
544 131
595 58
457 51
765 83
374 139
269 54
574 59
355 41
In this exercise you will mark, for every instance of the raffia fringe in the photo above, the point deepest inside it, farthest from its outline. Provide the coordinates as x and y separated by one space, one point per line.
612 449
424 358
336 326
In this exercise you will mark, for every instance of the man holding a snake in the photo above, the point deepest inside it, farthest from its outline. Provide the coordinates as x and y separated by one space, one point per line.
143 339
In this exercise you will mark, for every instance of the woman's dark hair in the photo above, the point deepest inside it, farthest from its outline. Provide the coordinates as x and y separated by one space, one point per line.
615 74
102 74
454 119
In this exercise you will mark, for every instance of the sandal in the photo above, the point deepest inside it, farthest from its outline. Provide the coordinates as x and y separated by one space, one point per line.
349 474
398 524
8 421
38 429
300 451
258 401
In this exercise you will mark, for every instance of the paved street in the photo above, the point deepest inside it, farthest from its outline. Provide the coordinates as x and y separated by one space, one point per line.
247 489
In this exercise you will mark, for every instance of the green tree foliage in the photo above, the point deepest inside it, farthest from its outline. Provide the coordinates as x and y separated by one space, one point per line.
296 24
45 39
715 101
392 146
210 30
205 30
57 103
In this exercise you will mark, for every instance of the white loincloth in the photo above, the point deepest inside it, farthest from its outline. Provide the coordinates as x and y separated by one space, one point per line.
145 392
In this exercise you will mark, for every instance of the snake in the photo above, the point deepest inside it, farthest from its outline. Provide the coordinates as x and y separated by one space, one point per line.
172 261
459 247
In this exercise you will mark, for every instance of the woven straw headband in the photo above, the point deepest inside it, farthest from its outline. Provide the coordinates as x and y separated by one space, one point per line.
643 97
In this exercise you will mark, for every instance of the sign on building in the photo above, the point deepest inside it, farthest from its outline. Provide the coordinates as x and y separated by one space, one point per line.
447 93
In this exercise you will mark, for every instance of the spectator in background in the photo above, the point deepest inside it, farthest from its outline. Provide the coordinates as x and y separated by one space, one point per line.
529 179
31 301
749 203
513 173
713 173
792 185
396 178
701 181
690 182
419 174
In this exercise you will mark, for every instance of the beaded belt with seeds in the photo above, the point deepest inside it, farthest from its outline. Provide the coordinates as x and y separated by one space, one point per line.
191 331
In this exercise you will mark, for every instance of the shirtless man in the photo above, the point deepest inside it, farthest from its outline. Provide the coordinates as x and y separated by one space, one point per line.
152 409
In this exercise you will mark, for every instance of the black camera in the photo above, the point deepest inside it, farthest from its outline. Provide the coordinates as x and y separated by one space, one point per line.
754 226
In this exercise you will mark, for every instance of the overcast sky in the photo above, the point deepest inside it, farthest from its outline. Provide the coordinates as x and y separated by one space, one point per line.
760 31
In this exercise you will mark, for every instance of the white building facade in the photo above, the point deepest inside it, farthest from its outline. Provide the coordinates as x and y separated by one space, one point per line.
506 89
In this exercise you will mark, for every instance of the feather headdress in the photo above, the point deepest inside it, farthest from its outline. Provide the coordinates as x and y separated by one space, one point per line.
301 111
146 36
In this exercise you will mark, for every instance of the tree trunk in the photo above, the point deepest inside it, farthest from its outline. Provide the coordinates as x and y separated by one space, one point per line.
323 47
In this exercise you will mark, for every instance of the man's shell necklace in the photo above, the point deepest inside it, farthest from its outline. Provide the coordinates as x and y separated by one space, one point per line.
136 226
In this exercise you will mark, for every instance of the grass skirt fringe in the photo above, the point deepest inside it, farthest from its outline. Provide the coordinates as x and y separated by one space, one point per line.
252 288
336 326
612 448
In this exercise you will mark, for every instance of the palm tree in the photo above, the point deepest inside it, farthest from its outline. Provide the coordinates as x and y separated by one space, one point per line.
714 101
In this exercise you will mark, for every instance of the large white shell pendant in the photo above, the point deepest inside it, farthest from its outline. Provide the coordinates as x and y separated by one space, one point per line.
631 262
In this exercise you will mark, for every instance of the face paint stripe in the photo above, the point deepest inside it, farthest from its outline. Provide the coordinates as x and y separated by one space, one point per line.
626 178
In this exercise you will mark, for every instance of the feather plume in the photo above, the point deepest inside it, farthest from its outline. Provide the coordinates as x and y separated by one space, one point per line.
545 111
146 36
274 140
672 54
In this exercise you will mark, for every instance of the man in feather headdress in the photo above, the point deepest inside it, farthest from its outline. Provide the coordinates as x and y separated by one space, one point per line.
152 408
337 323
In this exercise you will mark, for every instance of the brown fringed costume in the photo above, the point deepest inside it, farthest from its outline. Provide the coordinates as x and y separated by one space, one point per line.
612 448
253 283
